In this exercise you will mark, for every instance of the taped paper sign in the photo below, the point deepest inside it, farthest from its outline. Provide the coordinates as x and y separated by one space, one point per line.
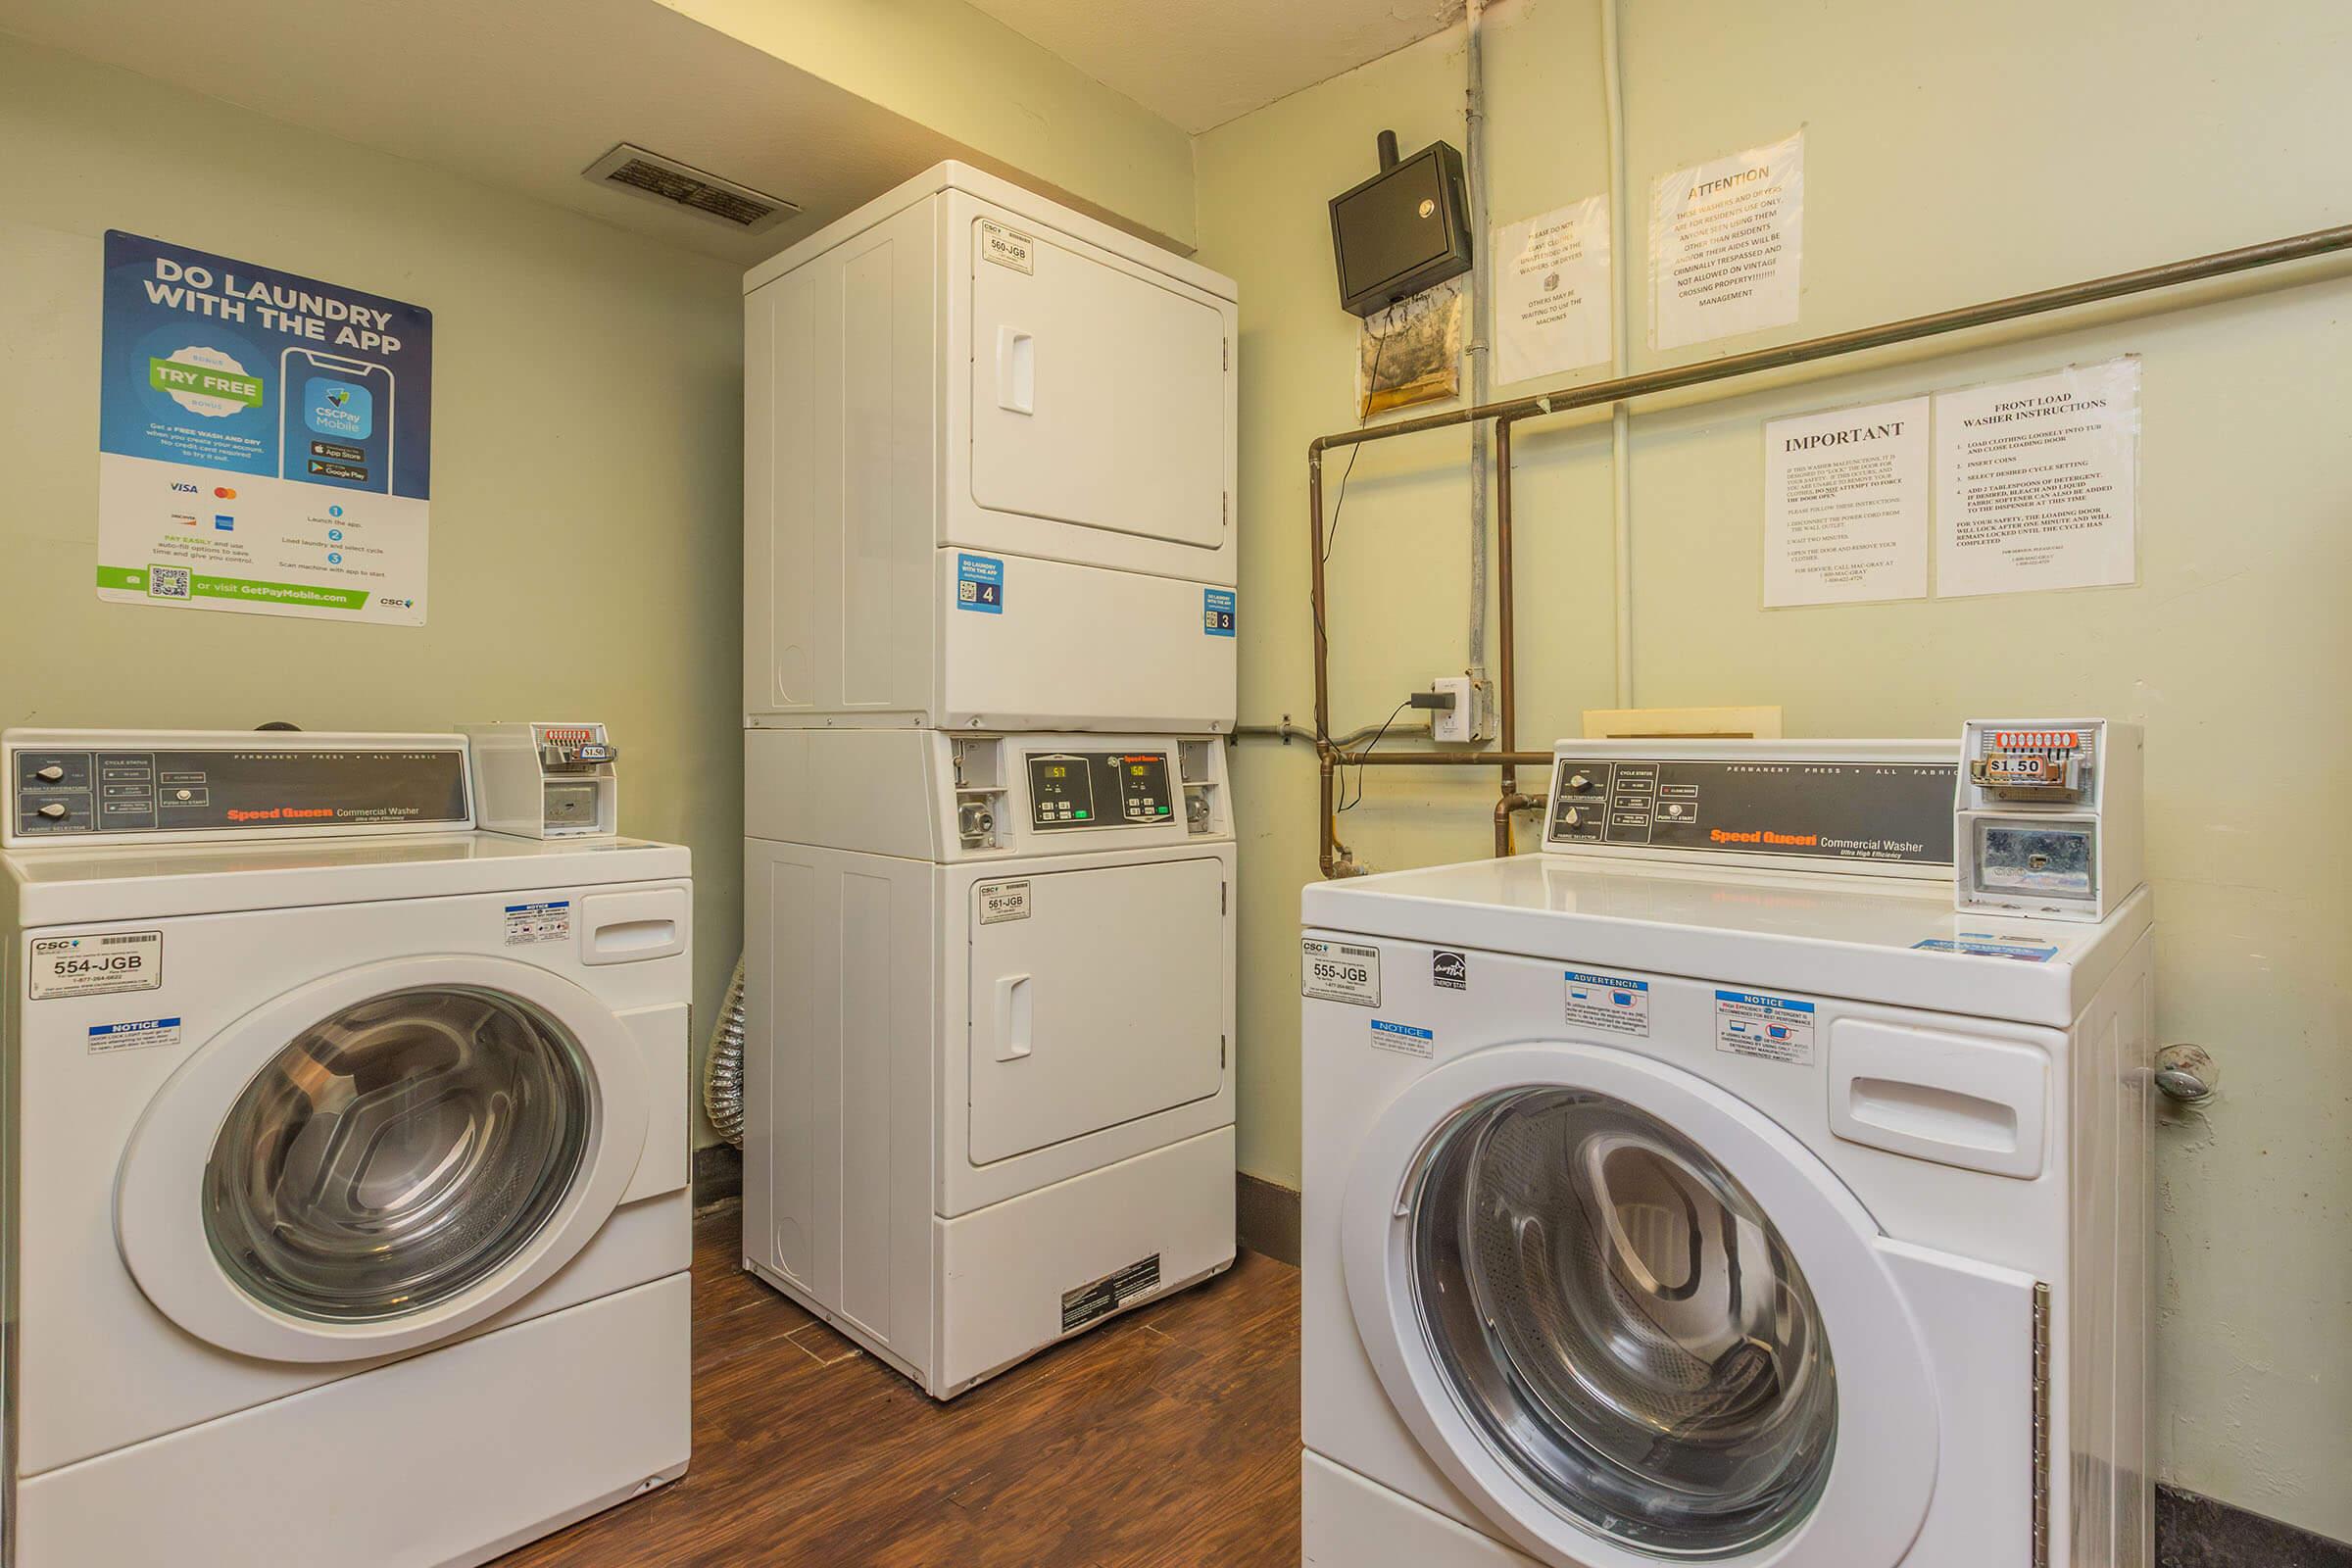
1845 506
2035 481
1725 240
1551 291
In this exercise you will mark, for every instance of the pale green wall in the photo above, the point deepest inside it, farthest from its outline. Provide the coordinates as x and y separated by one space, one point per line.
587 466
1025 112
1952 154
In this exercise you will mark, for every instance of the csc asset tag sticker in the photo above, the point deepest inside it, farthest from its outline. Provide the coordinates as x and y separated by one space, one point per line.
1003 900
1007 247
1334 971
93 965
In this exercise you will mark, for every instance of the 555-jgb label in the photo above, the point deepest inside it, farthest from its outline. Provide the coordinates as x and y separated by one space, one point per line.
1338 971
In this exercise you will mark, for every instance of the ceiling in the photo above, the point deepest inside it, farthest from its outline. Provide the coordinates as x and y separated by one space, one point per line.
524 95
1200 62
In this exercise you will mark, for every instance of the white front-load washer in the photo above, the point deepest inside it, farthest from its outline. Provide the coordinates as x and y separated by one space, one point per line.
1706 1190
346 1155
988 1079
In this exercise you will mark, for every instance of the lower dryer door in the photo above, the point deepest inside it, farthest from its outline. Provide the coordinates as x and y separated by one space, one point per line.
1098 996
1634 1322
381 1158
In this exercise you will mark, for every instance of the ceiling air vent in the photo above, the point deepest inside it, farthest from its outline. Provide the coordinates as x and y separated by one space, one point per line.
689 189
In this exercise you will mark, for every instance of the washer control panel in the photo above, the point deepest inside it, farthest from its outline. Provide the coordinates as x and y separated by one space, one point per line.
1072 790
1755 799
64 785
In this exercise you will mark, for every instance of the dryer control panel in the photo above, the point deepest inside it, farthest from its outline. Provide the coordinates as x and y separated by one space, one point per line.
1874 805
107 785
1099 788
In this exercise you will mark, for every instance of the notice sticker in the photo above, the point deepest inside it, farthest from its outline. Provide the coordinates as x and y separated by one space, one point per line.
1003 900
1749 1023
1403 1038
1334 971
1608 1002
105 1037
1986 945
980 584
94 965
531 923
1007 247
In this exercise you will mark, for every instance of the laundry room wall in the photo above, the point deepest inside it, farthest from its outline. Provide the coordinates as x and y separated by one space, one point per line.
586 487
1950 158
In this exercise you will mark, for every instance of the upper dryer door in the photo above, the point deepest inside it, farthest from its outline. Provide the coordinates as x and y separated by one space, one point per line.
1100 407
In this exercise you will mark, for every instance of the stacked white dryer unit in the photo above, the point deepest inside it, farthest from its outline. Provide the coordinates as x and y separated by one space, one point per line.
988 663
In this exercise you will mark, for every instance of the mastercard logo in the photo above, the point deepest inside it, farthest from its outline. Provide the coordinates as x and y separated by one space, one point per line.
224 492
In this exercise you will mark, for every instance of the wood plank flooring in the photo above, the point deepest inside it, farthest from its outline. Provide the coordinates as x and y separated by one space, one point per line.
1169 1437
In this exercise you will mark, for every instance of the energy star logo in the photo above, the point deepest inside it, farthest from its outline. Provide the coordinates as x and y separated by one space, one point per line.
1449 970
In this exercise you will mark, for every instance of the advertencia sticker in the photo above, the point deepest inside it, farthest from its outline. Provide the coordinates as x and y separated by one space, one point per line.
1752 1023
980 584
1608 1002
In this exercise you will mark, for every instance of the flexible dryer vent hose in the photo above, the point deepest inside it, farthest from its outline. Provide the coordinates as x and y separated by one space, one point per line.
723 1065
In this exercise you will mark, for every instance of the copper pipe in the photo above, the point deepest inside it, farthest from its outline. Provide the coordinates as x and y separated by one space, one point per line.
2196 270
1511 801
1507 697
1334 858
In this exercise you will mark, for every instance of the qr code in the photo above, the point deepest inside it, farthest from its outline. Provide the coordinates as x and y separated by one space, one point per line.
167 582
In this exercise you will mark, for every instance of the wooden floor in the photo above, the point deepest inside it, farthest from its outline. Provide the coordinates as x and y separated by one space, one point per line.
1171 1436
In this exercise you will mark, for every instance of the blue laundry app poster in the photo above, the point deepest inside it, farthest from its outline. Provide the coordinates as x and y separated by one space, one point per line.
265 439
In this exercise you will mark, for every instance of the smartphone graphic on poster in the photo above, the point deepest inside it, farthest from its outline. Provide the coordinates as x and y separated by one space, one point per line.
334 422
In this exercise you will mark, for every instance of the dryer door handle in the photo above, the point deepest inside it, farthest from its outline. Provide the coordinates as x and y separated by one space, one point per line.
1016 370
1014 1015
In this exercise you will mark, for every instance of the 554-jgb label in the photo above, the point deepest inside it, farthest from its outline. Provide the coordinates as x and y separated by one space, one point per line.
95 964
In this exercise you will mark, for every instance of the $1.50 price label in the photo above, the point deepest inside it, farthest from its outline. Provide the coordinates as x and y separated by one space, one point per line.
1335 972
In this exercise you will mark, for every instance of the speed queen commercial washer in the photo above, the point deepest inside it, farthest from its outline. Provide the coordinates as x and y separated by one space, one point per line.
346 1190
1703 1189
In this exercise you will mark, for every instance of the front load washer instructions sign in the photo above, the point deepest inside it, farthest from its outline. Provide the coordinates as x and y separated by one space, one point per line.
263 440
94 964
1335 971
1750 1023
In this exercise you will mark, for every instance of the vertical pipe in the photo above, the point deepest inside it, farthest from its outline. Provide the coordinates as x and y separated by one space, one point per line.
1507 654
1621 440
1327 833
1474 138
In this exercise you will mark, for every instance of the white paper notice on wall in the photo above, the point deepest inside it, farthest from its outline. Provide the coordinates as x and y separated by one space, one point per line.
1726 244
1551 291
1845 506
2036 481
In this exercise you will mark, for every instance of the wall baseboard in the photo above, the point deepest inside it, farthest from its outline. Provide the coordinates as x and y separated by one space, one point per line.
718 1175
1265 1218
2193 1531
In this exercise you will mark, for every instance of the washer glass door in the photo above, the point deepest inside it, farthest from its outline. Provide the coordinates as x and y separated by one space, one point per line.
398 1152
1621 1323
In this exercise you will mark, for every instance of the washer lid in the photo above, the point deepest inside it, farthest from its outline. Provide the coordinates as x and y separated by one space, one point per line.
1866 940
60 885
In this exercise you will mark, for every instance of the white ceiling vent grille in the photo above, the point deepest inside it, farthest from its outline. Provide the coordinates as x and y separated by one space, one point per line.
689 189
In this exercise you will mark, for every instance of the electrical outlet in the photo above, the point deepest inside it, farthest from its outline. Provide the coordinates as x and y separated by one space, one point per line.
1460 721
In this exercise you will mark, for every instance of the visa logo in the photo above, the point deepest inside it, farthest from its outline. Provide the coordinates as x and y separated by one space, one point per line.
184 488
